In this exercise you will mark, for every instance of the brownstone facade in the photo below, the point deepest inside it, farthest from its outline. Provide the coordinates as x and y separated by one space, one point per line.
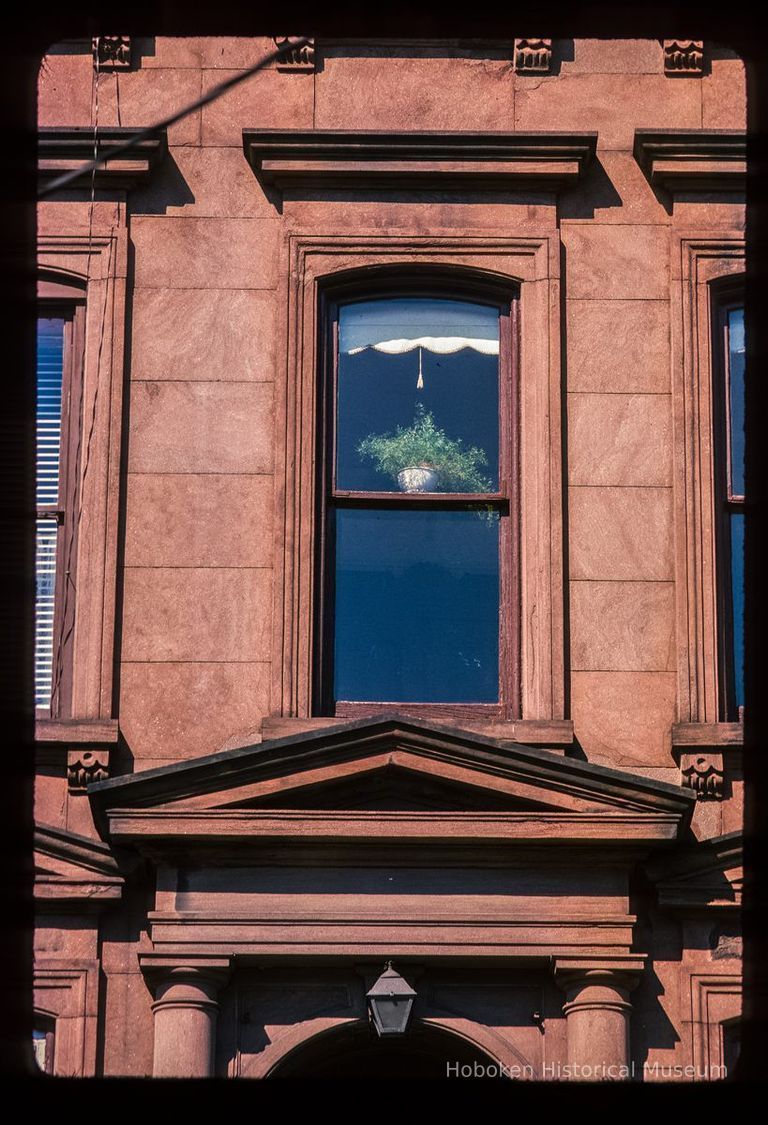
224 864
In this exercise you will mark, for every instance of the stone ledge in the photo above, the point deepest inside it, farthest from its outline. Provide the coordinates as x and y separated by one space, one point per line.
424 159
693 160
66 731
63 742
63 148
722 735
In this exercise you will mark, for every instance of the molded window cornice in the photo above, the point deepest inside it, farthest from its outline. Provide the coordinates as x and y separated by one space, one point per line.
693 159
62 148
484 160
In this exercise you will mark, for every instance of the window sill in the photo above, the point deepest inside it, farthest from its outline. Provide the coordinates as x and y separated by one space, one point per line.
56 739
704 735
67 731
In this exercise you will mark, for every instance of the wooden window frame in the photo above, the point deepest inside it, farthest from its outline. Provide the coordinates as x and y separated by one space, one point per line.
529 264
91 262
727 294
433 284
66 300
703 263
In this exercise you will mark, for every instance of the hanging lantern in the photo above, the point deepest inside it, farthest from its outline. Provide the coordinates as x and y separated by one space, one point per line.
391 1002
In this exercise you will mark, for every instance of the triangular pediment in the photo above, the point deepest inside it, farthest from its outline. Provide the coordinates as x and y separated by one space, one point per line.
402 783
394 766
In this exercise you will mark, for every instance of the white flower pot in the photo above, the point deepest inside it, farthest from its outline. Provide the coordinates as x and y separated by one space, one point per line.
417 478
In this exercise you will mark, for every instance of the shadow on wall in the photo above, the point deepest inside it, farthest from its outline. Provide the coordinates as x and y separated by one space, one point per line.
168 188
594 190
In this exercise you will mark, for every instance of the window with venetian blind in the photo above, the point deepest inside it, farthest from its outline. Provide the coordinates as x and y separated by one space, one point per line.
59 357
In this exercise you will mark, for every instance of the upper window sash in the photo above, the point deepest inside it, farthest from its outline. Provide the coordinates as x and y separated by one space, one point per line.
420 376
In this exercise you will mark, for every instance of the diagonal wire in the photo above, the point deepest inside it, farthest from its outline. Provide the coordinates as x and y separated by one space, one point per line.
64 632
290 45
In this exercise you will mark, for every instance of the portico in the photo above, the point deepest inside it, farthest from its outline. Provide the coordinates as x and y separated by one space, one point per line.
495 877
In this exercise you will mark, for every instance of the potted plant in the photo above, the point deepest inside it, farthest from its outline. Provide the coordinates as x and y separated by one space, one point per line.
422 458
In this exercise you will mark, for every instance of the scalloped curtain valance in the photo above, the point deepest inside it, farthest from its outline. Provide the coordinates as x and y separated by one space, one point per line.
441 345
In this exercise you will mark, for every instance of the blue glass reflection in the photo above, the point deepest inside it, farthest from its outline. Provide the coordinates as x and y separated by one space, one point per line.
417 606
399 357
50 353
736 396
737 596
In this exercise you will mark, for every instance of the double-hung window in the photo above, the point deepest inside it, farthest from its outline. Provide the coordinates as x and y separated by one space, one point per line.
730 493
59 356
418 511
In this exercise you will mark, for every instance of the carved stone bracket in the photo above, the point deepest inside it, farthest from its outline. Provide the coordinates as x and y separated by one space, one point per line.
112 52
704 773
533 56
86 765
683 56
299 58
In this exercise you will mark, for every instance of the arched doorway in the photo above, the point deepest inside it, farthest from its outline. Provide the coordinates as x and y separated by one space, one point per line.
357 1052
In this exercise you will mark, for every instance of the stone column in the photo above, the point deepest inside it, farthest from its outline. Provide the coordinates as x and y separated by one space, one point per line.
597 1011
185 1011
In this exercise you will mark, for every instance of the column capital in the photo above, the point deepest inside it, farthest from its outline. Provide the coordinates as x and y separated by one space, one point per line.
623 973
597 1011
158 969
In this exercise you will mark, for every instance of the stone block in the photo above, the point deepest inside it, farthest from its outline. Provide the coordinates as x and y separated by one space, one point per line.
144 96
209 335
626 262
65 89
623 719
197 615
268 99
723 91
619 439
424 90
614 189
177 252
618 346
201 427
620 533
199 520
234 52
174 711
203 183
615 56
623 626
613 105
182 51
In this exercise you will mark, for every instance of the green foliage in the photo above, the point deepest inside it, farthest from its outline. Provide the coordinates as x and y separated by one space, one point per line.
425 445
